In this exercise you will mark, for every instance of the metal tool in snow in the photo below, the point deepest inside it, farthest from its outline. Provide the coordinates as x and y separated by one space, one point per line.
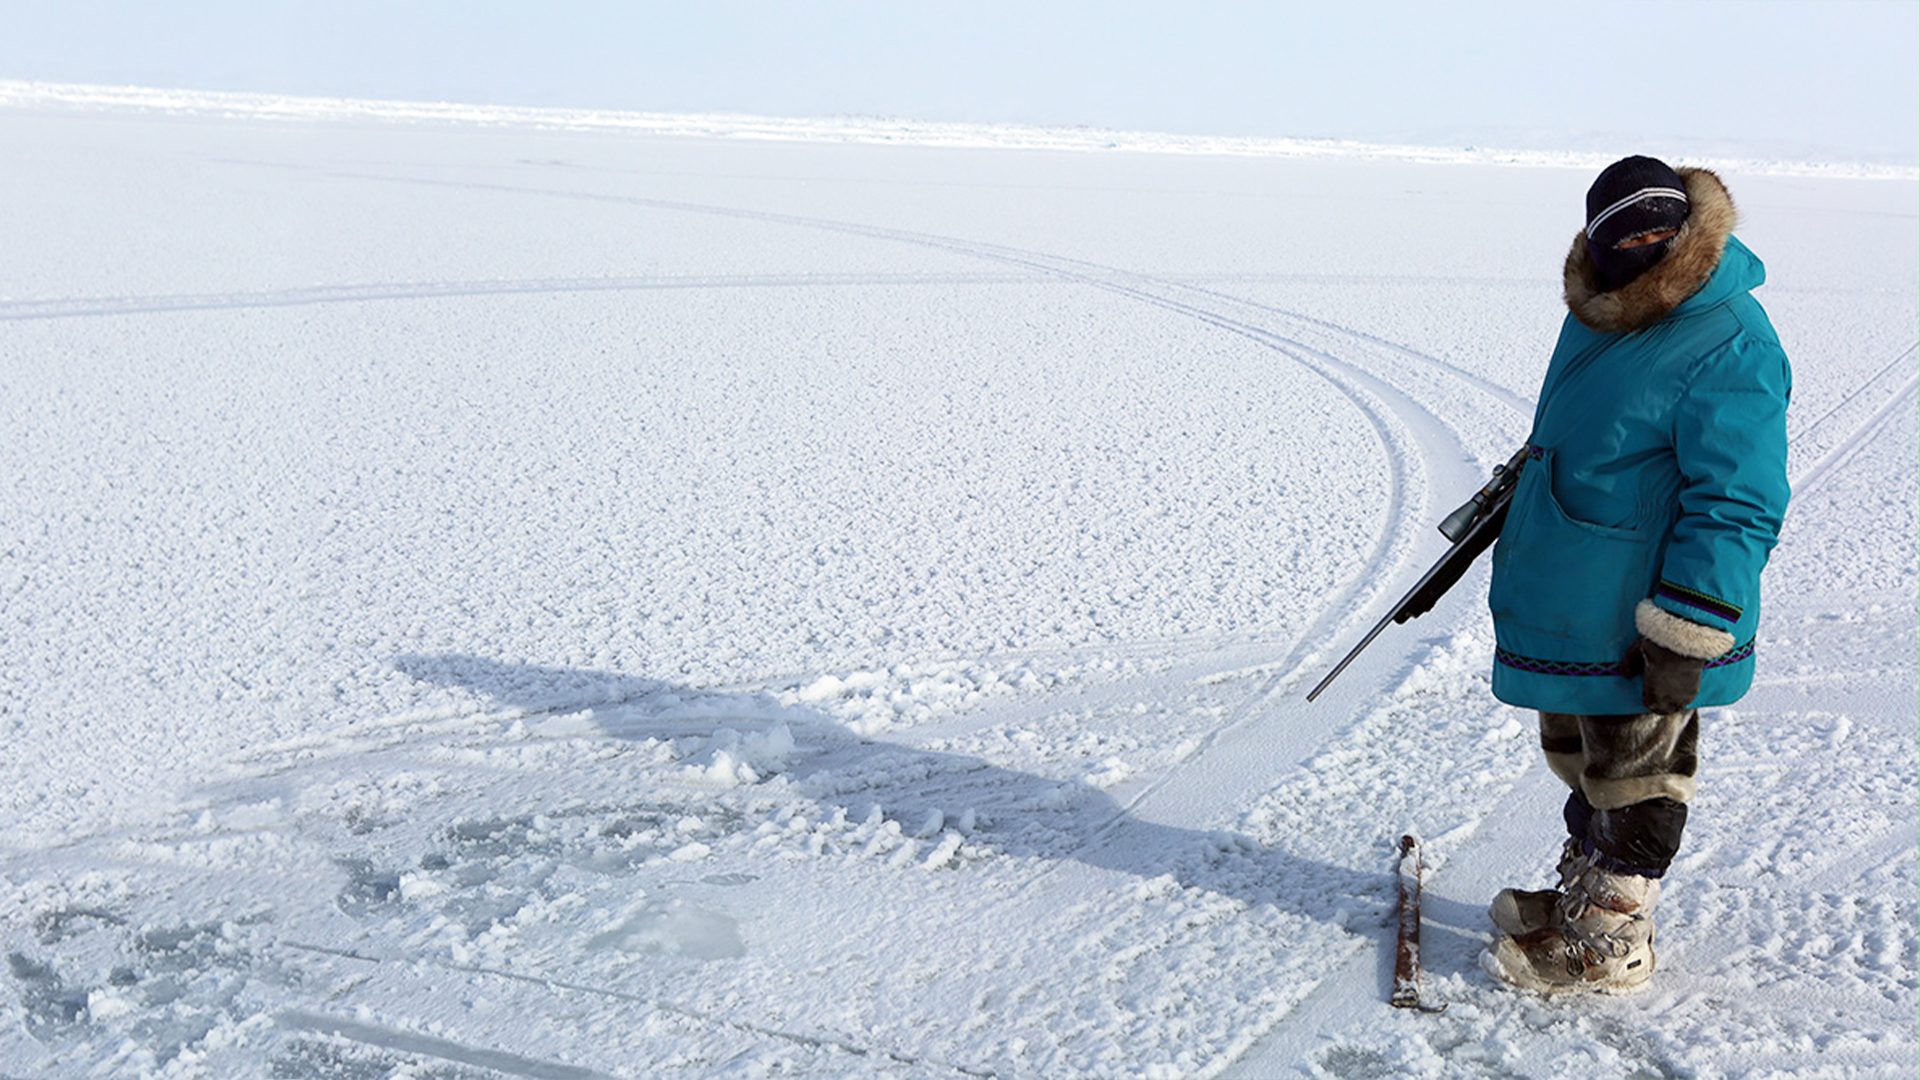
1406 957
1472 528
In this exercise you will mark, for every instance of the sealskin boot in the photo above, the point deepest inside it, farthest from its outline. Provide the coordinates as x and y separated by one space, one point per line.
1522 911
1600 939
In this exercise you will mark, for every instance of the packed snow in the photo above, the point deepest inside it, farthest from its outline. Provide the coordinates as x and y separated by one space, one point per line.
488 593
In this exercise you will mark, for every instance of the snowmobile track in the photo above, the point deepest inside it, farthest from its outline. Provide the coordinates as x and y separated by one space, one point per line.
1145 289
94 306
517 1066
1811 477
1411 435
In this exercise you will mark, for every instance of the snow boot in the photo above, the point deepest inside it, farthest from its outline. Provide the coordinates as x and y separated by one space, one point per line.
1522 911
1600 938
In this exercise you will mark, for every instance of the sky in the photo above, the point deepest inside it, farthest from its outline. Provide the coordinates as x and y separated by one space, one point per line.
1838 79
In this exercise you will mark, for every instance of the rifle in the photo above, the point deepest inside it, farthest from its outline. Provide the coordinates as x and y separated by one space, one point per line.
1472 528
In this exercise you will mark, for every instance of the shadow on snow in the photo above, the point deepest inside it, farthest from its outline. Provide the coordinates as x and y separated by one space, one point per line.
1018 813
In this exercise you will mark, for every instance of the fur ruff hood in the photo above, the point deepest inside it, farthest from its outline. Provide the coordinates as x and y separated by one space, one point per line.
1689 262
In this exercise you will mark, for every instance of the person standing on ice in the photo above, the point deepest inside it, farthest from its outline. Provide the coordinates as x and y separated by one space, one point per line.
1626 580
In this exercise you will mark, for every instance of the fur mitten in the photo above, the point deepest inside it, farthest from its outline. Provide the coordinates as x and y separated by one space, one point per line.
1669 680
1670 656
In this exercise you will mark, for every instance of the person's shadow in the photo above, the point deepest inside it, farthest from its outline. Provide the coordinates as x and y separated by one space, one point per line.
1019 814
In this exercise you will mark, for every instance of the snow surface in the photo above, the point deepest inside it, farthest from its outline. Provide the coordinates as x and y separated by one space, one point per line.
491 597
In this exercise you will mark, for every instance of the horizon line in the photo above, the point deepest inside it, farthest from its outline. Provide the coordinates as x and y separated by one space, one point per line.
858 129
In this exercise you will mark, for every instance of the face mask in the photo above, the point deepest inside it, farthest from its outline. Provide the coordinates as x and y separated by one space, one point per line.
1618 266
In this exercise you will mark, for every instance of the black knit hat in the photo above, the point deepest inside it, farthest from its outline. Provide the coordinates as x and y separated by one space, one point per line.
1633 196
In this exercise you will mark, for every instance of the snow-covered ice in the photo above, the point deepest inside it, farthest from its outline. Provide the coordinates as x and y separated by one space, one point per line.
487 594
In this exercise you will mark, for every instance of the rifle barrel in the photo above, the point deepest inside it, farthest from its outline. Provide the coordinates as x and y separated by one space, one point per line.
1385 619
1348 659
1471 539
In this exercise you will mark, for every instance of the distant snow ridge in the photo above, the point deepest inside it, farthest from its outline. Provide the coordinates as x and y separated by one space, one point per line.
853 129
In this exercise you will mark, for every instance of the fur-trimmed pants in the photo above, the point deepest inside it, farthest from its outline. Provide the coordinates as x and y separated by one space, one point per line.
1632 777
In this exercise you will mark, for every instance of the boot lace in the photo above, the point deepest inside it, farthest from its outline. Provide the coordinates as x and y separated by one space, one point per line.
1585 946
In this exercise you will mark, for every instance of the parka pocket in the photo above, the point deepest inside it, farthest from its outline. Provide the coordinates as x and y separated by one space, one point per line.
1632 534
1573 580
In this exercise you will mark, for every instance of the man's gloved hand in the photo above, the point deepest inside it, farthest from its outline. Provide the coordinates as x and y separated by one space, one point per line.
1670 655
1670 680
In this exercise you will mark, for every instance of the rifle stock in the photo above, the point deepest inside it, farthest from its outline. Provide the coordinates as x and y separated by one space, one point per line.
1473 529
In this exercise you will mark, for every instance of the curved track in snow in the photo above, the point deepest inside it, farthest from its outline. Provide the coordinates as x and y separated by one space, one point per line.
1415 438
90 306
1429 437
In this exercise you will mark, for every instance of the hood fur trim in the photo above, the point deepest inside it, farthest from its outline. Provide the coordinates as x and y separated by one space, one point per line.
1690 261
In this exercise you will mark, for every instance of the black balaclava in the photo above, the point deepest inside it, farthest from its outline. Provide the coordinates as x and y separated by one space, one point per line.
1634 195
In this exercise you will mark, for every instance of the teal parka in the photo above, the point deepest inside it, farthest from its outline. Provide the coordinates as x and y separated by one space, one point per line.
1656 475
